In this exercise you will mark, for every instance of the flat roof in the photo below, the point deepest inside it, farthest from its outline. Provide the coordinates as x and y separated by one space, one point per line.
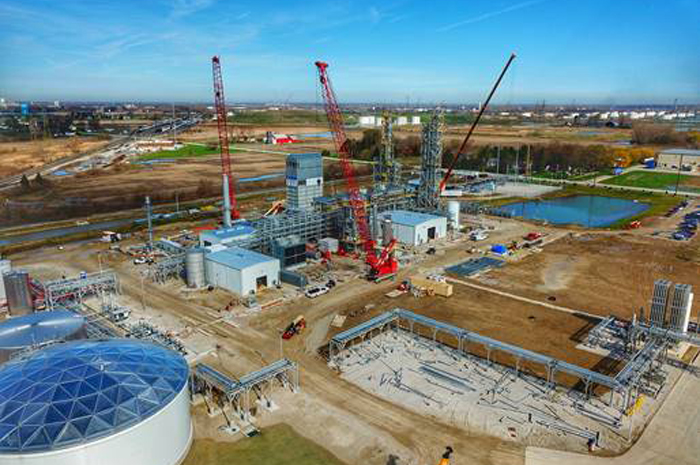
237 231
684 152
409 218
239 258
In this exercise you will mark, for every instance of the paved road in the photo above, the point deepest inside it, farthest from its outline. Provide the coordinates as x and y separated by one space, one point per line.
672 437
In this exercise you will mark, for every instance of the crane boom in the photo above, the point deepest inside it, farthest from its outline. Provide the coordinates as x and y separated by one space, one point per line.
463 147
335 119
220 105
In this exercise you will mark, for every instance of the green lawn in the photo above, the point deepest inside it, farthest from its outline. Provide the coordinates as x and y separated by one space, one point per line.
646 179
276 445
187 151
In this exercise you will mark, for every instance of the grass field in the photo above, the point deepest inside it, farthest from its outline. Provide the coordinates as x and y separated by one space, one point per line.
646 179
276 445
187 151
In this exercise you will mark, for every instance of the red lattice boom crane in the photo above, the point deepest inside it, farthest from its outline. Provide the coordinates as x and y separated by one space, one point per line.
220 105
385 263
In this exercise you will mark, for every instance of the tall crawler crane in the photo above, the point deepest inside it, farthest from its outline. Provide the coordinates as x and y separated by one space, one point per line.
230 205
380 265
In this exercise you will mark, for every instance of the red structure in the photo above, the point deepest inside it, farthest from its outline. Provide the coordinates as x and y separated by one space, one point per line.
220 105
379 265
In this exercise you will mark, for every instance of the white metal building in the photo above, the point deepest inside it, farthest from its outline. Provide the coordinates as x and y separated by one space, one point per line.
413 228
672 159
112 402
241 271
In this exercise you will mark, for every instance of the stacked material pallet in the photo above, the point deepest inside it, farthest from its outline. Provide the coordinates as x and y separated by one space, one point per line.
439 288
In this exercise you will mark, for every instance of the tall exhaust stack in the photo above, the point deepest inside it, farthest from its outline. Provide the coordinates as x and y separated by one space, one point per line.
227 203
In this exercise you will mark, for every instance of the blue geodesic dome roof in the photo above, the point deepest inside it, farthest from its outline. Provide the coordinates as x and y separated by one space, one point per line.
77 392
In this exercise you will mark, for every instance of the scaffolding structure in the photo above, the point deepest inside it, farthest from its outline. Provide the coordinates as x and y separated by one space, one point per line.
167 268
74 290
627 383
237 392
386 171
428 195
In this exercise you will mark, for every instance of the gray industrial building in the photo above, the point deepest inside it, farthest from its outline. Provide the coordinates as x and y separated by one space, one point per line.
304 180
241 271
414 228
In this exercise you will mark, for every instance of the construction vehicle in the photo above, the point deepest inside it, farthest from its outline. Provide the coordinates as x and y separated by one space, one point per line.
295 327
465 142
220 105
384 264
445 460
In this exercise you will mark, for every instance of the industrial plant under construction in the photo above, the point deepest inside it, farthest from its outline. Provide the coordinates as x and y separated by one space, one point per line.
395 312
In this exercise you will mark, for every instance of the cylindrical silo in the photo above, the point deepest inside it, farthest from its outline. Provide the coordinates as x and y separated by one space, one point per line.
19 296
5 267
387 232
37 329
194 265
453 213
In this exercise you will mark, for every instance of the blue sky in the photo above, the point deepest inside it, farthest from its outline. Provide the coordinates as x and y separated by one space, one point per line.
584 51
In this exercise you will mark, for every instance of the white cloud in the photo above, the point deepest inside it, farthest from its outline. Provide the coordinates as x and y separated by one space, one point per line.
491 14
181 8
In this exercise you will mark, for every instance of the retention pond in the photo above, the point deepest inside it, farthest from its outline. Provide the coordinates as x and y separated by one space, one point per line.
584 210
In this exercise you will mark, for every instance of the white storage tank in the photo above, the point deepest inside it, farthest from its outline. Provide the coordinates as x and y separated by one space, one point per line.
19 296
453 213
112 402
194 267
5 267
37 329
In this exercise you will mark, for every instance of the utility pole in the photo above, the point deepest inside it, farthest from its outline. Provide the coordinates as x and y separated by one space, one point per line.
678 177
172 125
527 162
150 223
498 160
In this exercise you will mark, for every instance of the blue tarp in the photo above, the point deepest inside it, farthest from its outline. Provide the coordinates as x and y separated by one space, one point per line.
499 249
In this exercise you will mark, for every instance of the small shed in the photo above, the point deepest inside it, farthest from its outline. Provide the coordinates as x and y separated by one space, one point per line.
414 228
241 271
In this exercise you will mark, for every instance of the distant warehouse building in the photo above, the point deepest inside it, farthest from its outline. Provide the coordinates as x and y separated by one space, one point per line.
241 271
672 159
413 228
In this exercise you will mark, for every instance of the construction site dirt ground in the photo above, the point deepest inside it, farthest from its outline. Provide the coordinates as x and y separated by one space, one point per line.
601 274
356 426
